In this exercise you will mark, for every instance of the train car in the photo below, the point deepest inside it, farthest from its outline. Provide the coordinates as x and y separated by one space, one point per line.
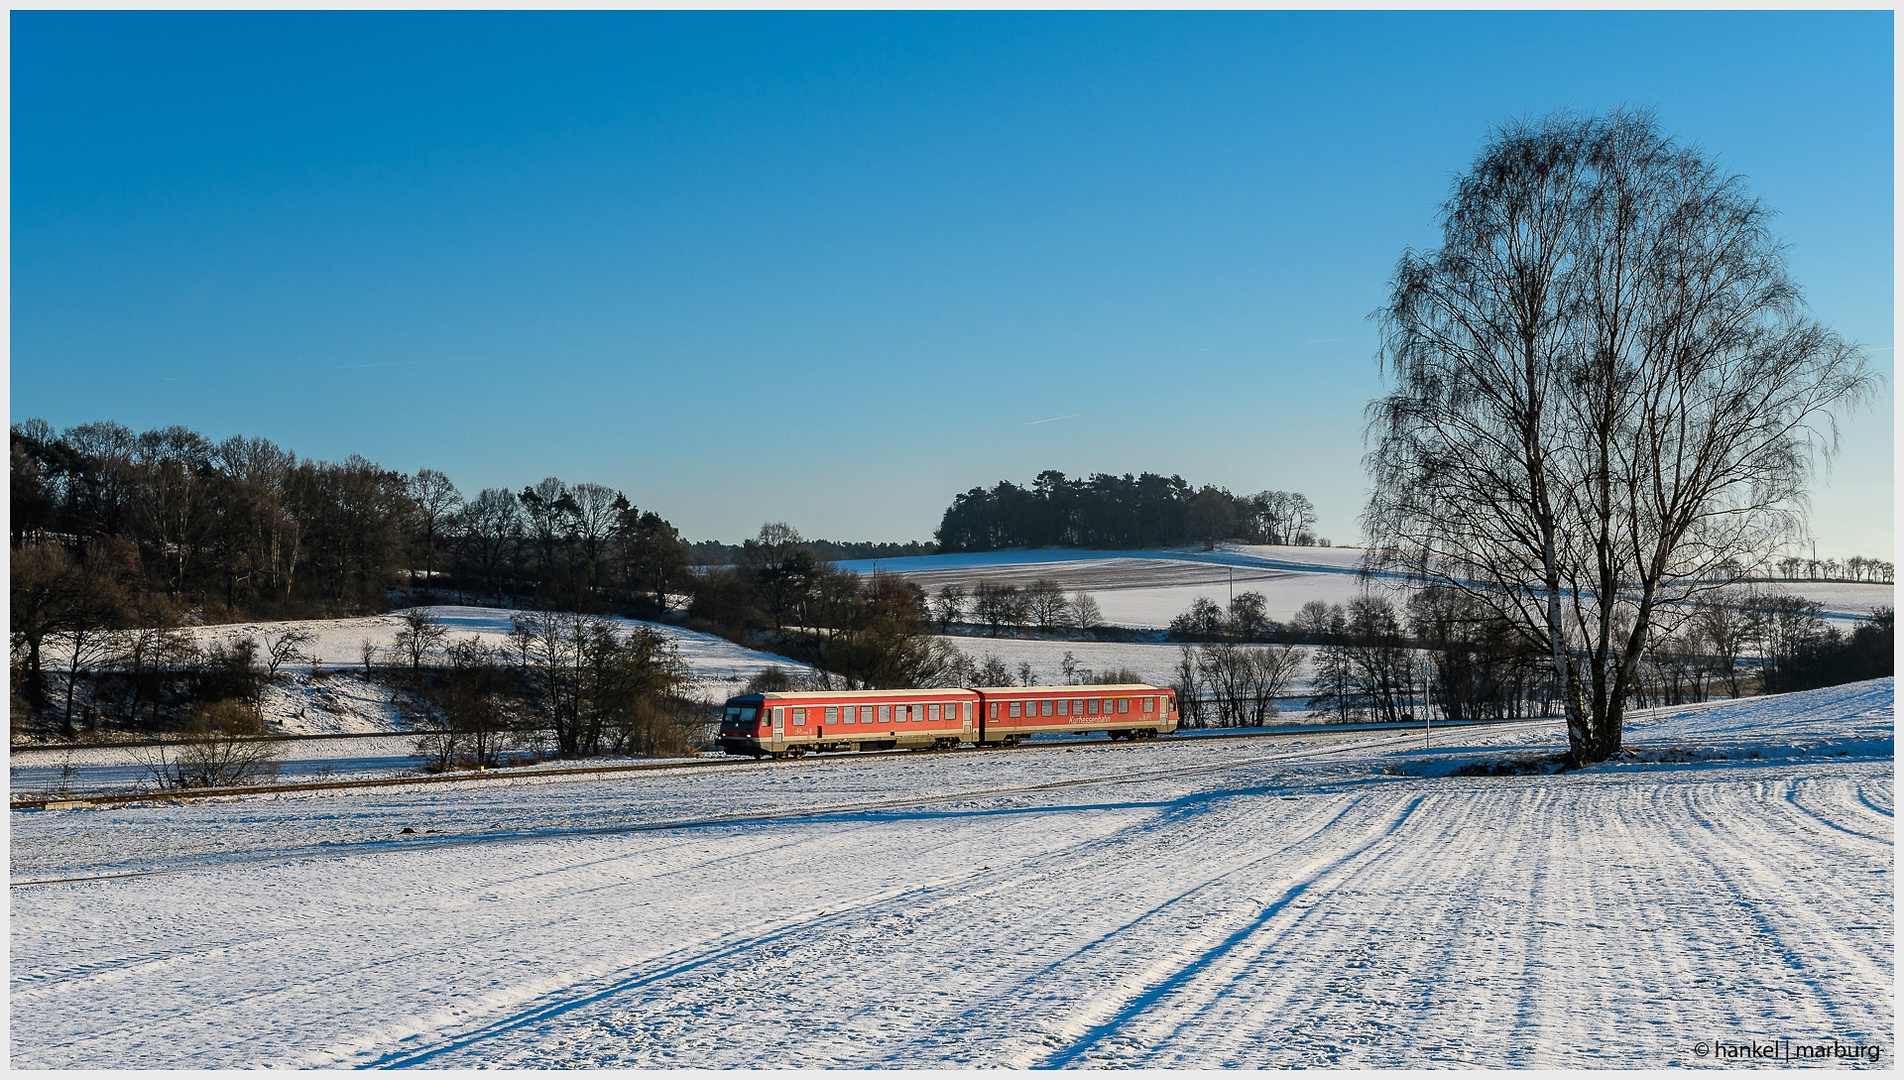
1120 710
792 724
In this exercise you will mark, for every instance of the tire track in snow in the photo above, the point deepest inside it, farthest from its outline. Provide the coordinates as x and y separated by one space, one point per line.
1105 1016
1735 862
72 978
308 981
1885 810
1855 804
222 861
1267 994
922 900
1096 859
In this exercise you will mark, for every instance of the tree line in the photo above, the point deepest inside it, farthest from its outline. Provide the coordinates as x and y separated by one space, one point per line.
1444 654
715 553
1855 568
119 538
1121 512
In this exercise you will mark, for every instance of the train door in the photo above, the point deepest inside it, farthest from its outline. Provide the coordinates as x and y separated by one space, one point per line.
779 724
966 710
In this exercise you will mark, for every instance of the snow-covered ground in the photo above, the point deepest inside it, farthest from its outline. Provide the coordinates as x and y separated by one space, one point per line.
1329 900
1147 589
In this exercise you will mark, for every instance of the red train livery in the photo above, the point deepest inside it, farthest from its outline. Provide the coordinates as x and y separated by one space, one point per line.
792 724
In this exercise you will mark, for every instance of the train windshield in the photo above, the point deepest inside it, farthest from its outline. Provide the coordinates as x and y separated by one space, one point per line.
738 716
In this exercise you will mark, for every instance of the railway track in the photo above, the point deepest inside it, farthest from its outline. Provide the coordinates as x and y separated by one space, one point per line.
42 801
753 817
513 774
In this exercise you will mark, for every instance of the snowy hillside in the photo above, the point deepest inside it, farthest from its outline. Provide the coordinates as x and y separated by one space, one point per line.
1317 901
1146 589
323 695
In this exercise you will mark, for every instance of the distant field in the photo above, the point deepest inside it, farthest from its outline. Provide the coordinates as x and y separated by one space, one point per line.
1146 589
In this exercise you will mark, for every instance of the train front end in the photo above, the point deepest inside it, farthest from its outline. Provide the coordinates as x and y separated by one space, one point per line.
745 727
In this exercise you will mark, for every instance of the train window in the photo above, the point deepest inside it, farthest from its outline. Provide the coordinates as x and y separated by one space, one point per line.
932 712
968 712
747 716
1150 704
832 714
1123 704
1093 706
1044 707
1018 708
846 714
1077 707
885 714
799 718
733 714
994 710
1064 708
779 713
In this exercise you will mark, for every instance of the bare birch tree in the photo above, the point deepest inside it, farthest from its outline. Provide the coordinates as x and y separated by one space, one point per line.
1607 398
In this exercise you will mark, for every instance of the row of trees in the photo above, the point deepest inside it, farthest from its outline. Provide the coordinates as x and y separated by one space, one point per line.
1855 568
1121 512
1230 685
117 538
586 684
715 553
244 528
1445 654
1043 604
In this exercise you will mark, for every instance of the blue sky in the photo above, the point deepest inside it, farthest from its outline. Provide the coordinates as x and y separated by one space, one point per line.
835 268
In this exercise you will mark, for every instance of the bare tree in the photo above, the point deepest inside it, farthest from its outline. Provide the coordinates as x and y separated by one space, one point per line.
436 503
1045 603
1244 681
420 635
997 605
491 529
1249 617
948 606
222 746
597 512
1607 398
1085 613
286 646
1724 621
1284 517
991 671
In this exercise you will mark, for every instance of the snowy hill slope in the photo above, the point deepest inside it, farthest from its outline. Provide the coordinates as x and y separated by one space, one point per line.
1147 589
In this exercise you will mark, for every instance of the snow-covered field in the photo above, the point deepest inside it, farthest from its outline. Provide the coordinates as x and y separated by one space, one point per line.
1328 900
1147 589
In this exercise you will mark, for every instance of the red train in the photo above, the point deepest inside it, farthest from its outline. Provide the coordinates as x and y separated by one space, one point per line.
792 724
